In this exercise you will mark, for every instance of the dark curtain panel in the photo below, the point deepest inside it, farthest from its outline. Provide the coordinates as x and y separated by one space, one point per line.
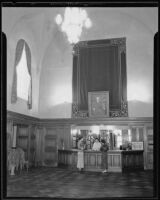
19 50
28 57
123 77
75 79
100 65
99 71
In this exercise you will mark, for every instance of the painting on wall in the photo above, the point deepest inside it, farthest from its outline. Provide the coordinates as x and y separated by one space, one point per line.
98 104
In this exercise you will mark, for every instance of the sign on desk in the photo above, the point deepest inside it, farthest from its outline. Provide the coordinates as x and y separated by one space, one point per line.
137 145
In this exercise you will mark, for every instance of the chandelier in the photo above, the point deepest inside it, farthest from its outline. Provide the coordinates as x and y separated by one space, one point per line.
74 20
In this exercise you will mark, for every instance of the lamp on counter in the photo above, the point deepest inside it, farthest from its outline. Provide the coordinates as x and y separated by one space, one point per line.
73 22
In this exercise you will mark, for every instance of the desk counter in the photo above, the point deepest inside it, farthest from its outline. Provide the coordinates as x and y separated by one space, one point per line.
118 160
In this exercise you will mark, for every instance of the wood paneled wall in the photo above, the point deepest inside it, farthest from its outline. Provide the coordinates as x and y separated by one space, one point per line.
22 139
41 138
9 130
149 147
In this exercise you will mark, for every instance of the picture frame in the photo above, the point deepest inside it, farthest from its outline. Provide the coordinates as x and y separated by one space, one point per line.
98 104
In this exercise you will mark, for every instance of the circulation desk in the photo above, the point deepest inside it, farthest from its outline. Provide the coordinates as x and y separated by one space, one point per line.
118 160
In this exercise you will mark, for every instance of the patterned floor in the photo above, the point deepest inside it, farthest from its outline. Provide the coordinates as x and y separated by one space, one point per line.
61 183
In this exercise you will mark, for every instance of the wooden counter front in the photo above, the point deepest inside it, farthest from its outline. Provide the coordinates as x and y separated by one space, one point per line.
92 160
118 160
133 160
115 161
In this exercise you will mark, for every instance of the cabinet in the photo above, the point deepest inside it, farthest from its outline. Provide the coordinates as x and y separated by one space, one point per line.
132 160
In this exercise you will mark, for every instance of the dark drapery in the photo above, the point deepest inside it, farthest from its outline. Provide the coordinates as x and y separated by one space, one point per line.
99 72
28 56
19 49
100 66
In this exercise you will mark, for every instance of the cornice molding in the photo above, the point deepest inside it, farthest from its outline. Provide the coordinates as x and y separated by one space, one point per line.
24 119
21 118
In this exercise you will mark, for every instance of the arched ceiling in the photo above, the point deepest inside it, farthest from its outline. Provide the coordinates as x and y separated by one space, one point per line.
49 38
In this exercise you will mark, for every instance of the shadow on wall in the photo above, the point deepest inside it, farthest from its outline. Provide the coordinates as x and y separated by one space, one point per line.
142 109
62 110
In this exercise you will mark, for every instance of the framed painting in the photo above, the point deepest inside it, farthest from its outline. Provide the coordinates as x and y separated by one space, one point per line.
98 104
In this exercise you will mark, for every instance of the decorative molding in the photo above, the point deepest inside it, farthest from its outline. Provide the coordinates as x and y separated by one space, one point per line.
122 48
75 50
123 112
83 44
118 41
120 113
121 44
50 122
18 118
124 109
76 47
74 108
78 114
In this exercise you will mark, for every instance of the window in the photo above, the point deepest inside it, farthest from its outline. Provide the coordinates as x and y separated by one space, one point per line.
23 77
22 80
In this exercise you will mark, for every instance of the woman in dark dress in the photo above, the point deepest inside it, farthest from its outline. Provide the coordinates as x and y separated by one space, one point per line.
104 149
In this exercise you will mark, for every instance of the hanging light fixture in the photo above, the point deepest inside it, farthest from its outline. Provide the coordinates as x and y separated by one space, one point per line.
73 22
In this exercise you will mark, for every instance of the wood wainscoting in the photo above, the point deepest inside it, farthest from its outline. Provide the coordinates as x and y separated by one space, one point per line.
23 139
149 147
50 150
42 138
25 136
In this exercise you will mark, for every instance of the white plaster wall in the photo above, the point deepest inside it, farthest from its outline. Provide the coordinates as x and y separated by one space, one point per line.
52 55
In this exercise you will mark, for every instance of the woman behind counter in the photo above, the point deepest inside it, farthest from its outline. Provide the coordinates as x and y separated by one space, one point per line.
81 148
96 145
104 149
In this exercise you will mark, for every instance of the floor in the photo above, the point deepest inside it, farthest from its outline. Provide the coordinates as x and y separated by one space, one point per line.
62 183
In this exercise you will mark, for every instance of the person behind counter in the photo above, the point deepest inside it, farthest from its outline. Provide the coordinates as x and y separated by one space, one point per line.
96 145
81 148
104 149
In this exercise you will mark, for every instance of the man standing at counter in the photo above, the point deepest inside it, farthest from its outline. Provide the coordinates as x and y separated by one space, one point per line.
96 145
